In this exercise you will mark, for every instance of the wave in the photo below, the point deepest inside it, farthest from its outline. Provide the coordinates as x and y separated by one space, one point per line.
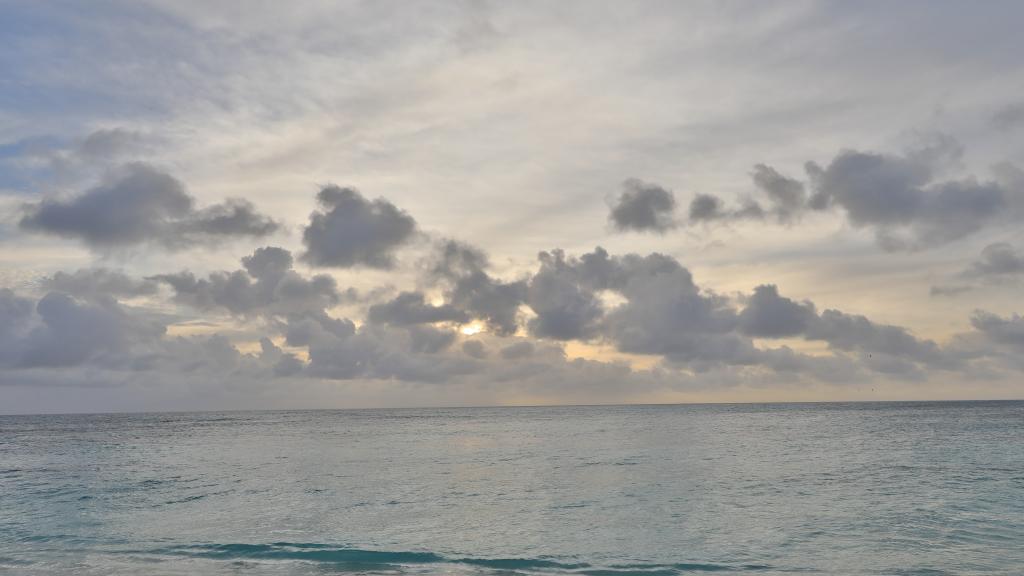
359 560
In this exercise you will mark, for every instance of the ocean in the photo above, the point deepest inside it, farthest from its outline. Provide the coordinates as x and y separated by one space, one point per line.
860 488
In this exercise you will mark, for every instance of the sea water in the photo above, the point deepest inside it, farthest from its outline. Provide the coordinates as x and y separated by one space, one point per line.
873 488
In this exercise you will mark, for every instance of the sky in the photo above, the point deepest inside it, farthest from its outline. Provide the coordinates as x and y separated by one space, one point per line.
260 205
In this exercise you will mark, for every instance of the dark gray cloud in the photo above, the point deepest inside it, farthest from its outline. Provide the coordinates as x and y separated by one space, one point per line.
133 205
462 269
643 207
235 217
1006 331
517 350
707 208
101 336
566 309
138 204
16 315
1009 117
898 198
998 264
267 286
786 201
662 312
350 230
787 195
409 308
768 315
953 290
850 332
59 331
304 330
999 261
901 198
475 348
429 340
381 352
283 363
667 314
97 282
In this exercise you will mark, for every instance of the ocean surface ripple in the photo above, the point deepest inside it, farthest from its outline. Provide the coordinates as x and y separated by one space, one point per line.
841 489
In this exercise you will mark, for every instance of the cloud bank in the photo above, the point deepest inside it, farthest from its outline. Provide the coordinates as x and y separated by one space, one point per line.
138 204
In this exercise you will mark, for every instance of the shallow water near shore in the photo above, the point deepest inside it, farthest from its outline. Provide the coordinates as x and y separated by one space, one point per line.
874 488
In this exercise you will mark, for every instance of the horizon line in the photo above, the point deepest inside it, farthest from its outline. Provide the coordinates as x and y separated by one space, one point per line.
514 406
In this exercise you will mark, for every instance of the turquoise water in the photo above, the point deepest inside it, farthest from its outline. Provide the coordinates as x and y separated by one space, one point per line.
886 488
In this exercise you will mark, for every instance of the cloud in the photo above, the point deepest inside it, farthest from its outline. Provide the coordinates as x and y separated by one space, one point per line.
59 331
851 332
643 207
385 353
940 291
667 314
768 315
235 217
706 208
111 144
664 312
267 286
350 230
786 195
138 204
517 350
475 348
430 340
462 269
998 261
899 198
1004 331
702 337
92 283
283 363
50 162
565 309
409 308
1009 117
